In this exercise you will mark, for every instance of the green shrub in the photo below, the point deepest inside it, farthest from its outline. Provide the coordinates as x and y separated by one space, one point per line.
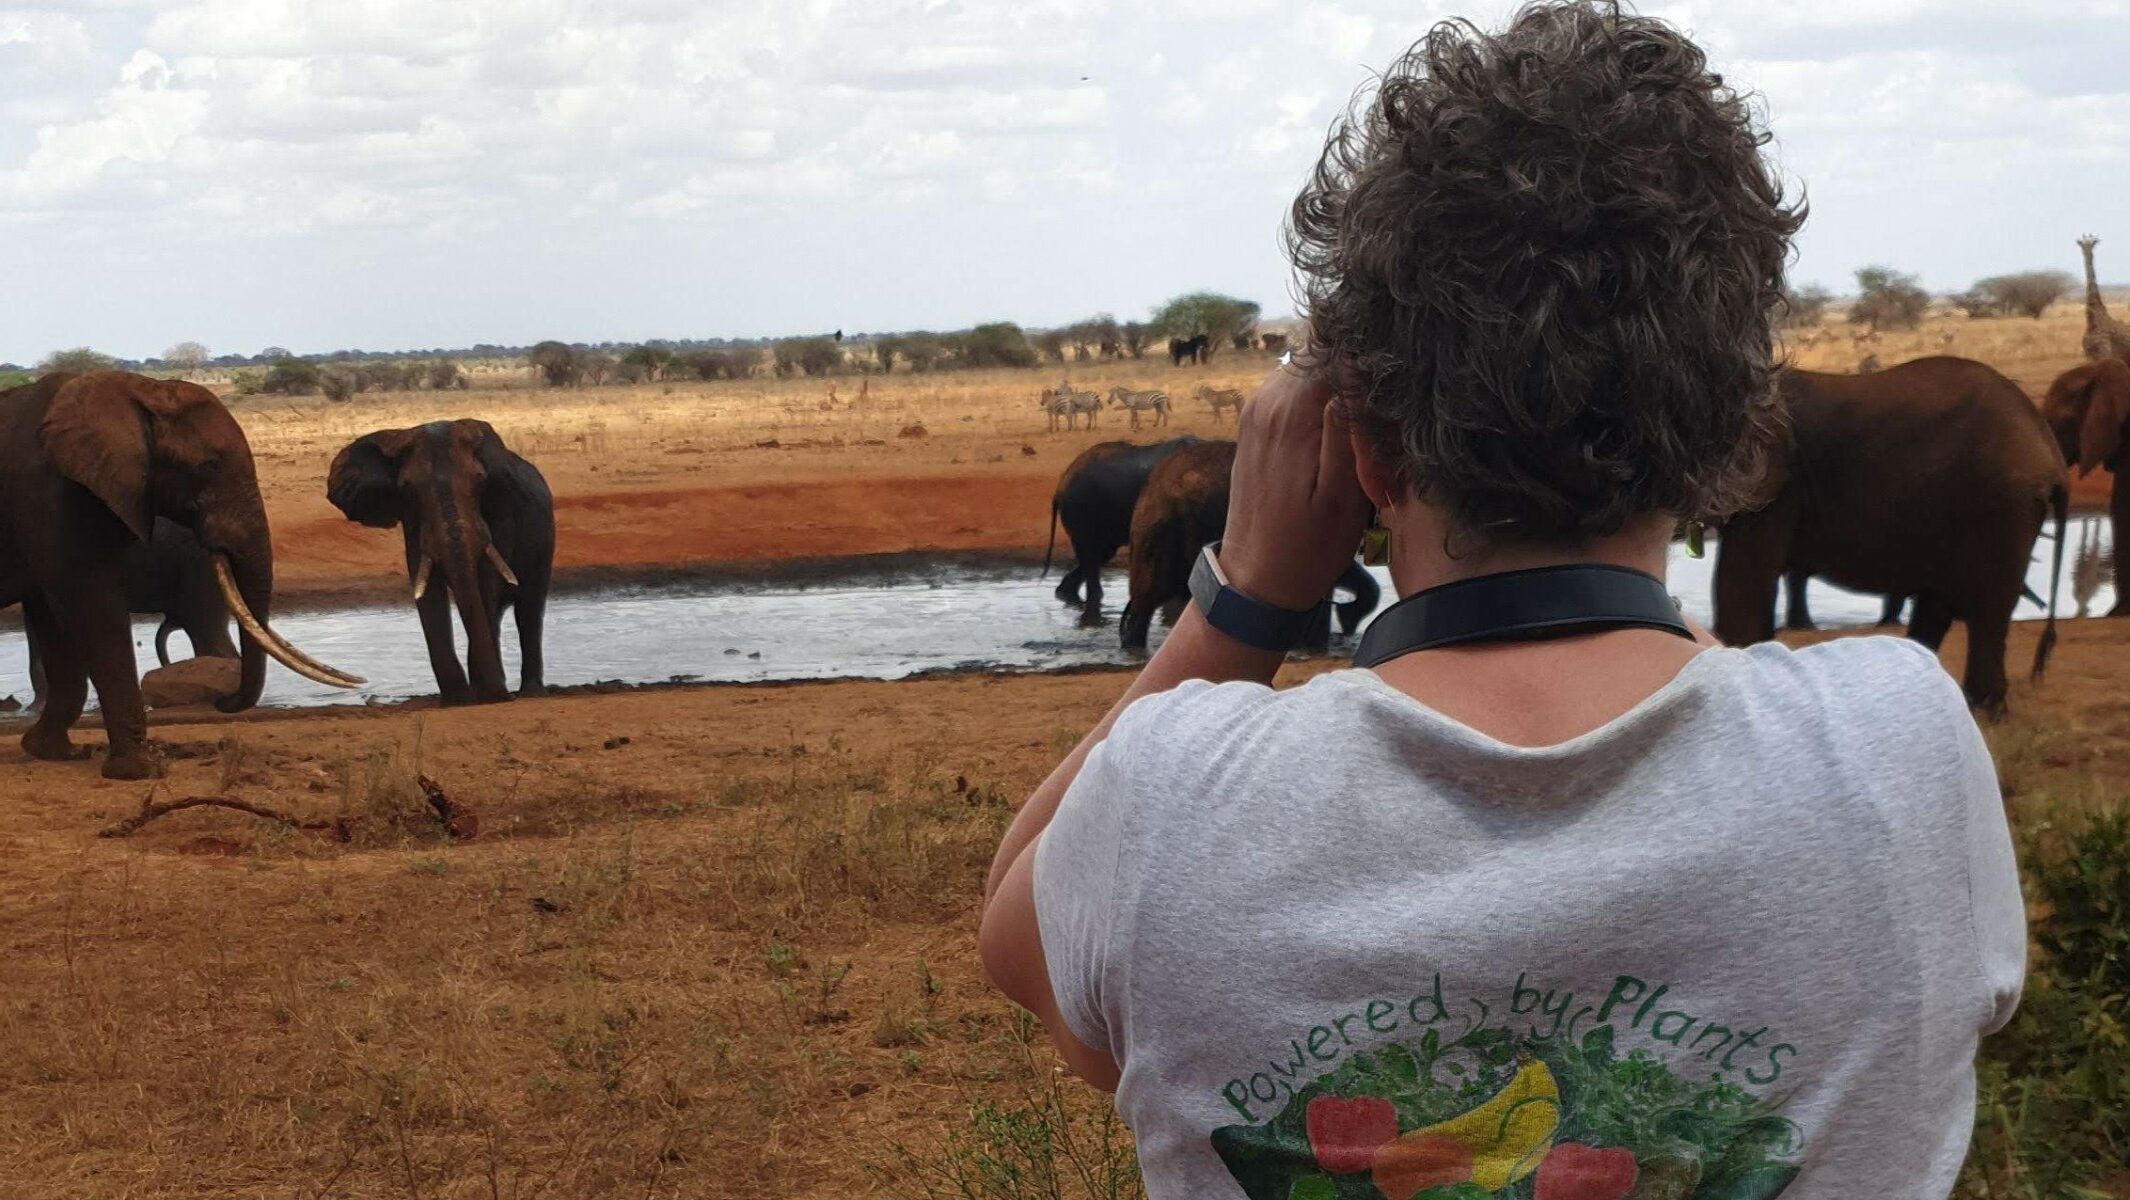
2053 1109
10 379
557 364
999 344
1805 306
291 377
1888 299
80 358
811 355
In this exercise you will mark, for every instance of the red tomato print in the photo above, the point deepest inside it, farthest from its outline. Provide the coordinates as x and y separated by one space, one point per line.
1344 1134
1577 1172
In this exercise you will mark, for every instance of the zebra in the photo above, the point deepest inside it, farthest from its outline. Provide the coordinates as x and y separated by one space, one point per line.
1139 402
1220 398
1063 401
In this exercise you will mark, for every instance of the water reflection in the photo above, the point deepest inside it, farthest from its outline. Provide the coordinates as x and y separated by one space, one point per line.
955 619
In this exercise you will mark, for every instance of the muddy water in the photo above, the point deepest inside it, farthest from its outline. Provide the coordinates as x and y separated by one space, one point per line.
952 618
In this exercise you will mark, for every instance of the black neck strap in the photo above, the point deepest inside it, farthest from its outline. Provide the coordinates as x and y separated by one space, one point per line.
1516 606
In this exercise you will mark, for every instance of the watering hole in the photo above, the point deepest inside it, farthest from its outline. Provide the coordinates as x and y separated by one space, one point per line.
942 617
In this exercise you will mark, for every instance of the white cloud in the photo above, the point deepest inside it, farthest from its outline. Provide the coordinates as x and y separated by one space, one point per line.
646 165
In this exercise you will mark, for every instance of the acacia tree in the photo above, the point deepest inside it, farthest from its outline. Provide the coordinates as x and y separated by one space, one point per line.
2027 293
1805 306
1888 299
187 357
1220 318
80 358
557 363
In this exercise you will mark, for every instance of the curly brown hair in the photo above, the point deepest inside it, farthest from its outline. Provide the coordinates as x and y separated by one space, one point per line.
1542 266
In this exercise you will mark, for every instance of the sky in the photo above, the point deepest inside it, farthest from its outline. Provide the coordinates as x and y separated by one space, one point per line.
403 174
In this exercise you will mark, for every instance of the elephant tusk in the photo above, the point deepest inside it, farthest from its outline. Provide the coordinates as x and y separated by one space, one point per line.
502 568
421 576
285 654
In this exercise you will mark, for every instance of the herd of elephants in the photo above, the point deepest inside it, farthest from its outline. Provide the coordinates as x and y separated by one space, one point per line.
120 493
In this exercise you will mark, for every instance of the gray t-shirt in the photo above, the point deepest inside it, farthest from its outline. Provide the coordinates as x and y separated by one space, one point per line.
1739 942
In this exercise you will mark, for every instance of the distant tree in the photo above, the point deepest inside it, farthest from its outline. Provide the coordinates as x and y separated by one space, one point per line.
337 384
1805 306
187 357
1135 335
1888 299
1052 343
2026 293
595 368
272 353
998 344
1978 304
556 363
1218 317
247 383
12 376
443 374
885 347
80 358
646 363
923 351
809 355
291 377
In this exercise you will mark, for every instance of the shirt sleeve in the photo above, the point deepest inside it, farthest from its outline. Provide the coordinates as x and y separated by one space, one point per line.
1995 904
1077 883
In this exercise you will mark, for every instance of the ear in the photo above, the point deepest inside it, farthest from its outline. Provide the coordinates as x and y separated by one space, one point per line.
364 479
495 458
95 432
2107 407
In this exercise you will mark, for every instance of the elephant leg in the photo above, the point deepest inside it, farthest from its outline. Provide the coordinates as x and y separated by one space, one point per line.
1317 640
1890 614
1091 610
1930 621
1984 680
435 610
1366 595
1068 589
1797 614
2118 524
532 659
64 690
162 641
105 632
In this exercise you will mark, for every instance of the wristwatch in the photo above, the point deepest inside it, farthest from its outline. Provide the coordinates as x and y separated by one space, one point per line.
1251 622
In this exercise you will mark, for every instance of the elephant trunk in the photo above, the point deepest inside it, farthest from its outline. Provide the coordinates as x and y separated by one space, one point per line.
468 561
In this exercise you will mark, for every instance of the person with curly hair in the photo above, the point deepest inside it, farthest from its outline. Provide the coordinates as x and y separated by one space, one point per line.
1550 896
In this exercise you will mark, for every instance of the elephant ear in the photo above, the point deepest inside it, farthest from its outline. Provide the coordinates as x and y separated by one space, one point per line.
96 431
504 468
363 481
2100 433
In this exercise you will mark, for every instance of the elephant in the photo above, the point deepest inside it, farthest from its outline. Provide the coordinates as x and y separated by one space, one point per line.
1094 499
87 463
468 506
1183 506
170 574
1194 348
2088 409
1929 479
1798 615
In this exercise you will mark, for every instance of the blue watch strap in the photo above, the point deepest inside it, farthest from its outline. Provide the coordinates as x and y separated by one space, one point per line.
1251 622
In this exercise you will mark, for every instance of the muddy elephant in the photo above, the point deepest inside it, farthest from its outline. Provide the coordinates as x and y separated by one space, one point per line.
171 575
1183 506
1094 500
87 463
1929 479
2088 409
1191 349
475 512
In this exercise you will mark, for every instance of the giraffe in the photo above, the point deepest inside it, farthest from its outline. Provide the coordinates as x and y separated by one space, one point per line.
2105 336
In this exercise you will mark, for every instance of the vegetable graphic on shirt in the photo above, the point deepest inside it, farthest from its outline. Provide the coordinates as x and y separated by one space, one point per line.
1503 1138
1344 1134
1573 1171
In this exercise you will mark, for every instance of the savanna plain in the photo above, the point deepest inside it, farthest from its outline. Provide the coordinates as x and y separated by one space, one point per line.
719 941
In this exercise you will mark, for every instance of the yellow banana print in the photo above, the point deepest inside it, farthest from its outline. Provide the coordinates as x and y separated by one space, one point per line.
1510 1133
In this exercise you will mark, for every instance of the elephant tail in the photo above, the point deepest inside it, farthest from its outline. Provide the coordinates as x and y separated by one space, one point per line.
2060 501
1053 546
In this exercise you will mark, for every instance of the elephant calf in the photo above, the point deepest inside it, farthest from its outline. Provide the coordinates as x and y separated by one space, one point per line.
480 515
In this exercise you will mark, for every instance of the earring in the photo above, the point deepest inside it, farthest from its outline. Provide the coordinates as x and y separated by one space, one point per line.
1375 543
1694 532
